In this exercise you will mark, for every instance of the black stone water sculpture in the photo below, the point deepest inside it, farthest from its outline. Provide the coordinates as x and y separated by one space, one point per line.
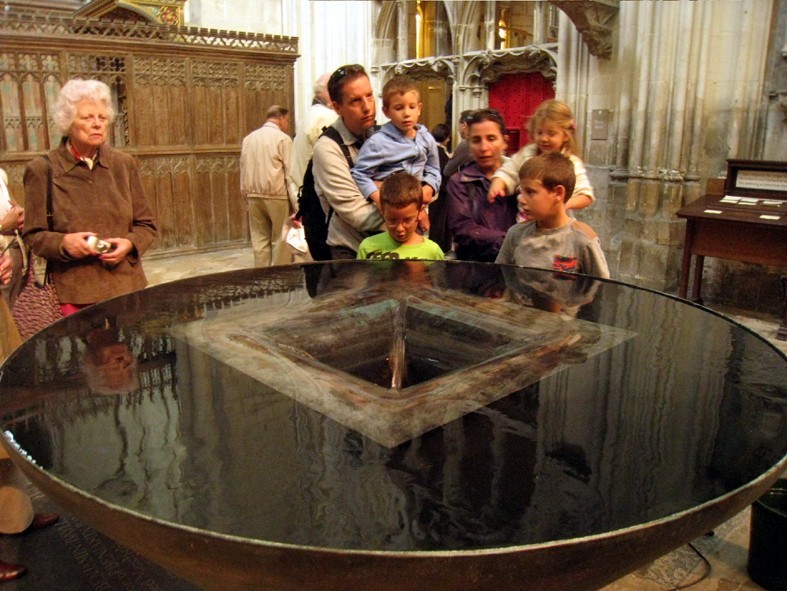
398 425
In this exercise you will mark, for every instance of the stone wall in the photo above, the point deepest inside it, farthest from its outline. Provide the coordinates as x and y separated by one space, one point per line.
685 88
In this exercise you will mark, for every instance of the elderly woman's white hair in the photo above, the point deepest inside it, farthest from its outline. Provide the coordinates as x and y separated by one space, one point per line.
72 93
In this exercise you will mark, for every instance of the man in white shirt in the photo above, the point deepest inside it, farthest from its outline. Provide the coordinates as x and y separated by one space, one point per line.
320 115
264 169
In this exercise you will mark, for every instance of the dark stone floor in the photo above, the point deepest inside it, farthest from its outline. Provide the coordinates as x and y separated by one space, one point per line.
72 556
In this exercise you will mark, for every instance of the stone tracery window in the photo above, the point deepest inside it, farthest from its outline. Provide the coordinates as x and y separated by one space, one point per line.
433 36
524 23
27 94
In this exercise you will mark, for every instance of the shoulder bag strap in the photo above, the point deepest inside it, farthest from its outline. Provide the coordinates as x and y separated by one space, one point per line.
334 134
50 216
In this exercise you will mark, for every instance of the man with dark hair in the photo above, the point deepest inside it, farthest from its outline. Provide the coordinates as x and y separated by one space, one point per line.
461 156
264 168
351 217
438 210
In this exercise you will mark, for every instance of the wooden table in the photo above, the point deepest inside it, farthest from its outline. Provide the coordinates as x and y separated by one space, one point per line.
734 232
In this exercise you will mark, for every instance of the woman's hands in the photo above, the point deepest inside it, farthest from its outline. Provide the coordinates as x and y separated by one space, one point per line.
123 246
76 246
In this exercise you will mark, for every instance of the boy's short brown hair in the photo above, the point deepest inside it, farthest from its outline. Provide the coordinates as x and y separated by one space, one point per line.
400 190
550 170
398 85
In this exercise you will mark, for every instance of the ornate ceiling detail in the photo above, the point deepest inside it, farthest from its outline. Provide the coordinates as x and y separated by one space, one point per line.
422 69
594 21
486 67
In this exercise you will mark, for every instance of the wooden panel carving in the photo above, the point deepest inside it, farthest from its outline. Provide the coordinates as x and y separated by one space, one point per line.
184 99
28 88
218 217
166 181
264 85
215 96
160 101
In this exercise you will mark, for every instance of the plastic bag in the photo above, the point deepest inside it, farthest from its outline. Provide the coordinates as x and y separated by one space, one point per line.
295 238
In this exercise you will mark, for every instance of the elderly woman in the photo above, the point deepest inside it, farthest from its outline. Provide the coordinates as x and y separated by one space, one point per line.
478 227
101 223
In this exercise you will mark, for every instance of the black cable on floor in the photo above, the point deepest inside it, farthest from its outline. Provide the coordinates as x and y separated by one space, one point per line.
702 577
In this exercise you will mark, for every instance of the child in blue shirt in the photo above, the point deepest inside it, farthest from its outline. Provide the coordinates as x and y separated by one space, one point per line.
401 144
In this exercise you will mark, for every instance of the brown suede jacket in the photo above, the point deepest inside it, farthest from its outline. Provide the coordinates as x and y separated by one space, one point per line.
108 200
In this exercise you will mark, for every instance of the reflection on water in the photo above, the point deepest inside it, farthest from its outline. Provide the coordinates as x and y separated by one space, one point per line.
108 365
685 408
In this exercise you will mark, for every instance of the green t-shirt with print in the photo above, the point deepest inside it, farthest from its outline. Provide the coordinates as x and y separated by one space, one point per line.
382 247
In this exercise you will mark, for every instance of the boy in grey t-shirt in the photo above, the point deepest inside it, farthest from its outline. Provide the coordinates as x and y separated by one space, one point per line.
552 239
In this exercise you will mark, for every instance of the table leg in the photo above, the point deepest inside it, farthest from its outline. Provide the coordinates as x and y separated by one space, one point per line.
697 284
781 333
685 265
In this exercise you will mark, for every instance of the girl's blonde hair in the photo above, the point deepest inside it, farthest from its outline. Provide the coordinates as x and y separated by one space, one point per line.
556 112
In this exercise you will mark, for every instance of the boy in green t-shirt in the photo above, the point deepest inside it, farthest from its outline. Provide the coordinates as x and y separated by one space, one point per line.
401 200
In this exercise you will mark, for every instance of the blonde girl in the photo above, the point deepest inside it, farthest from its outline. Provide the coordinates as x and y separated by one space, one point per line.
552 129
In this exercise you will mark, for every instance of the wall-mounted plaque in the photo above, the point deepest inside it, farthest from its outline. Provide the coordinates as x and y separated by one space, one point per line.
756 178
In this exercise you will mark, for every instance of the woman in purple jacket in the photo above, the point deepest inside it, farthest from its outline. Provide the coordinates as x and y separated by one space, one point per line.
479 227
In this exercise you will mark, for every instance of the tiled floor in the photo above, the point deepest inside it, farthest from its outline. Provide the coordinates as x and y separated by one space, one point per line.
71 556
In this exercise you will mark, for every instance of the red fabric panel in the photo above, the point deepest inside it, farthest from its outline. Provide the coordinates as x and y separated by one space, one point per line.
517 96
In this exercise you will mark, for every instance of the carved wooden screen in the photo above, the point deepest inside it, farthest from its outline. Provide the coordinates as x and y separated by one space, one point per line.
184 100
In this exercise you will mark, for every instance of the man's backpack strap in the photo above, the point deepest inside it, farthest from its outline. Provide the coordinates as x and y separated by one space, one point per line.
334 134
310 211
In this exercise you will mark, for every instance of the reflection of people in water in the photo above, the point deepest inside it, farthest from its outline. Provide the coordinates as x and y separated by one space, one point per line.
108 365
468 484
565 502
546 290
475 278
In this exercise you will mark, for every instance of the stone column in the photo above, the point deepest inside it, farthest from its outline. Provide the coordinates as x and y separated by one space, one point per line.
683 91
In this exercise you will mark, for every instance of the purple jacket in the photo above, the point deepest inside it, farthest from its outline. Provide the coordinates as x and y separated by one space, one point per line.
478 227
